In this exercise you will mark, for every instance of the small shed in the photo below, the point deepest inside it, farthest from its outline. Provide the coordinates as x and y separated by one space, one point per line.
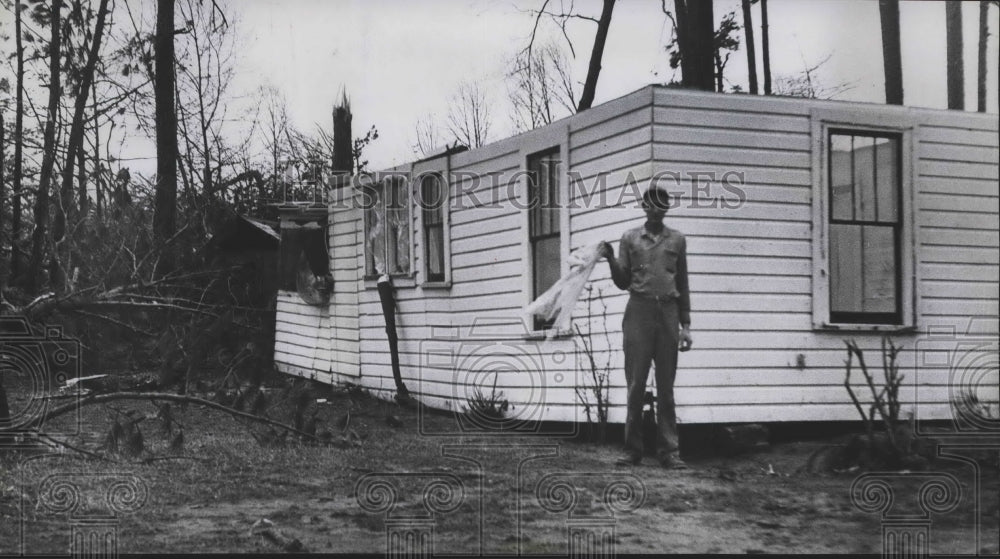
808 222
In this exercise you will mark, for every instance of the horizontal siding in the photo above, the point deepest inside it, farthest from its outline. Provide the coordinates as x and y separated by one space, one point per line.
749 254
959 217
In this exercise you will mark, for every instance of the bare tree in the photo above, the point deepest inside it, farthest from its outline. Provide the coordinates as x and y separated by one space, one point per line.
428 136
77 126
541 88
596 55
41 209
274 130
807 83
15 226
204 70
469 117
751 47
956 70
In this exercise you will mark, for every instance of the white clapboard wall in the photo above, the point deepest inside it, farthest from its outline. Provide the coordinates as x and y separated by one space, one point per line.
757 356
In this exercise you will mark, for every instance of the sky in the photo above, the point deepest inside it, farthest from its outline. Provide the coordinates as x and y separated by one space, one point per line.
401 61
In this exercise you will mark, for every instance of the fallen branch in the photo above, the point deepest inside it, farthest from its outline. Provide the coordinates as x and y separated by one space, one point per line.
114 396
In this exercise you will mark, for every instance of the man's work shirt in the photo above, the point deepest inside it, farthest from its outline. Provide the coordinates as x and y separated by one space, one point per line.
655 266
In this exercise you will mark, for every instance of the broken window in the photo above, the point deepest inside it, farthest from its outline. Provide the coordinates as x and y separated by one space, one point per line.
303 256
387 228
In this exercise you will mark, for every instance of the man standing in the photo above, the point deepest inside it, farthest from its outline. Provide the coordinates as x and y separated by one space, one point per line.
652 266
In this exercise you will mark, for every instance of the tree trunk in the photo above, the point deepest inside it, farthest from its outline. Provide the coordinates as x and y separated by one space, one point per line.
683 42
165 208
701 51
984 33
766 46
956 70
751 47
98 176
3 190
891 59
594 70
81 178
15 226
76 127
41 210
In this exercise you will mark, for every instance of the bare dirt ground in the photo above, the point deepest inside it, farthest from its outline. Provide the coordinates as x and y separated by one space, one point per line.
483 495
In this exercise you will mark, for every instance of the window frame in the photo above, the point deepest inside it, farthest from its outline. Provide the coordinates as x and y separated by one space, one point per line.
381 187
864 122
425 277
554 140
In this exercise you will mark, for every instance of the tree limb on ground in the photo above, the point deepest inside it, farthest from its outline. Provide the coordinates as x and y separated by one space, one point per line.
115 396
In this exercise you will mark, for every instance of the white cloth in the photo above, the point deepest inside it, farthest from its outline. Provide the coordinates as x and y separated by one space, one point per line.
559 300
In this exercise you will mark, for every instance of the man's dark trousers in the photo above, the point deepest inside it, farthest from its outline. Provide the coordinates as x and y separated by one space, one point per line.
650 329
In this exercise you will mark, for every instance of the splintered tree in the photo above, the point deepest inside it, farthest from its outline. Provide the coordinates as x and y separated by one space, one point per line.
891 58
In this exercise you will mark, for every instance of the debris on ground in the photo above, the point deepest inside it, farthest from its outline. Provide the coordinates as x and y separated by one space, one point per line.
269 531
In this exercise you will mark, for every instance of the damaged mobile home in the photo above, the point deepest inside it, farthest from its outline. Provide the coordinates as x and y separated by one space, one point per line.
808 222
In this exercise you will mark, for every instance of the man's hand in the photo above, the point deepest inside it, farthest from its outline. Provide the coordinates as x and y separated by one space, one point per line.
685 338
606 251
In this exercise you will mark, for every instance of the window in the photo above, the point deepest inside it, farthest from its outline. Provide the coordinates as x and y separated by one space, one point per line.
303 246
387 228
432 203
544 235
865 227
